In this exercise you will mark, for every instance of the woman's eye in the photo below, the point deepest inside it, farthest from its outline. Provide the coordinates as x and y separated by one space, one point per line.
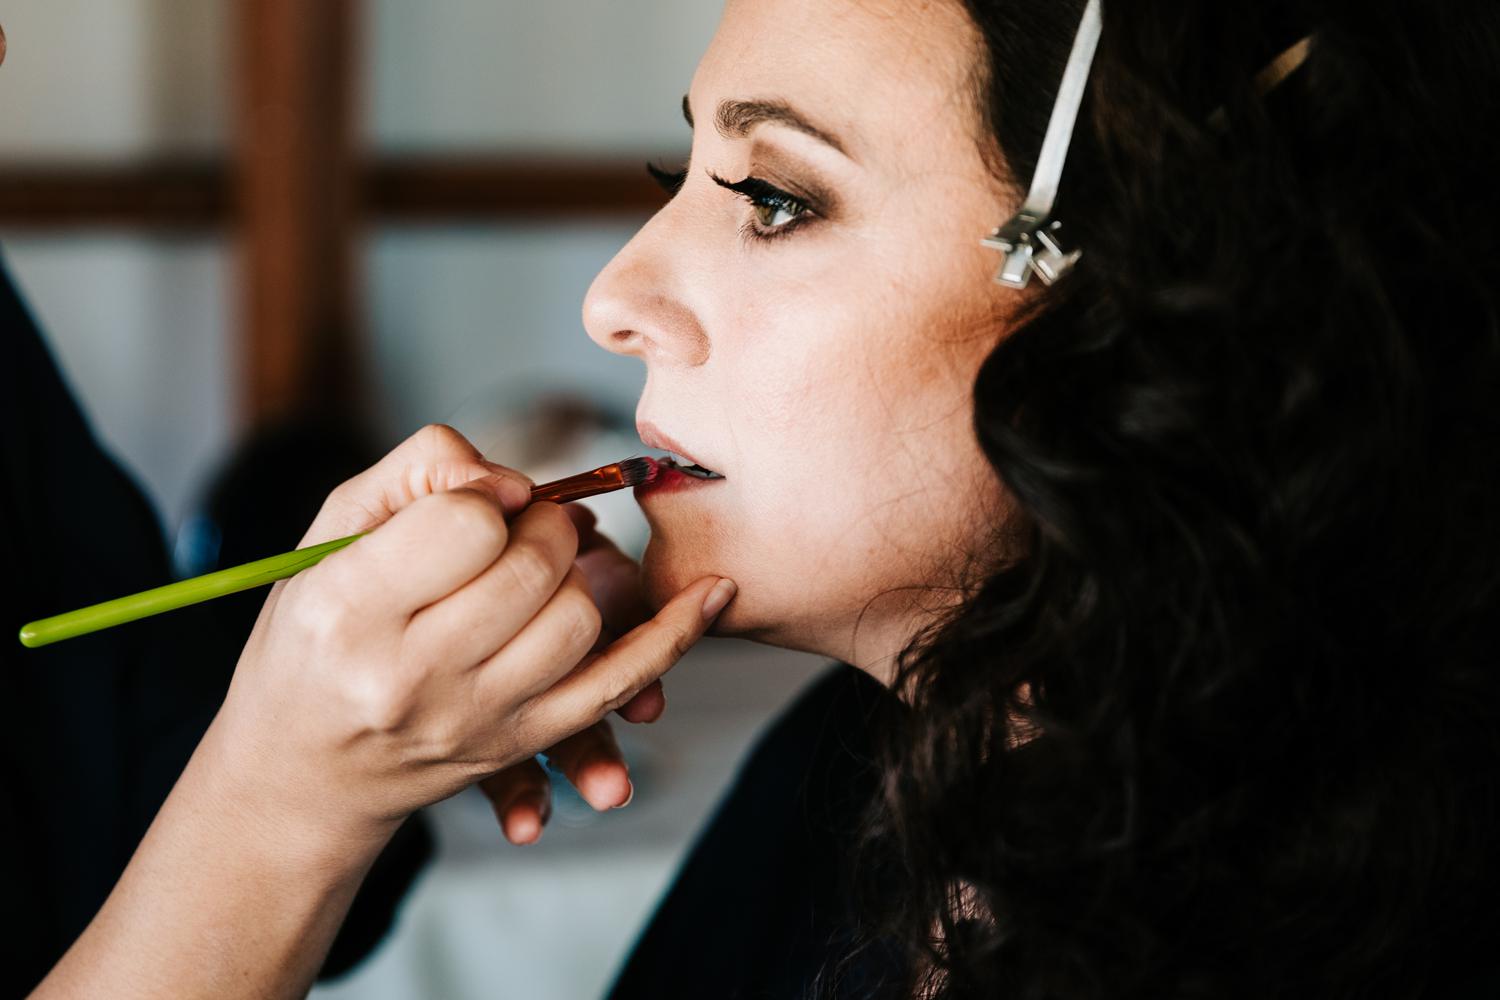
775 211
775 214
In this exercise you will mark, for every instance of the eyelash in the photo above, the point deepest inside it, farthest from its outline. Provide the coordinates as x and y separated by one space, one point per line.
759 193
670 180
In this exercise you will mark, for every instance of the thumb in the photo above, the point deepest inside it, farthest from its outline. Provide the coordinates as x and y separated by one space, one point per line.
645 653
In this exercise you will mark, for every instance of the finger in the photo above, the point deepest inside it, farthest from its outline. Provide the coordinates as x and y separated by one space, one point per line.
553 643
521 796
614 677
592 762
471 623
435 459
647 706
426 552
438 458
614 577
583 519
615 580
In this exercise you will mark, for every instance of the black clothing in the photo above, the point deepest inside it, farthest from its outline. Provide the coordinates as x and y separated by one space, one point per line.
97 729
760 909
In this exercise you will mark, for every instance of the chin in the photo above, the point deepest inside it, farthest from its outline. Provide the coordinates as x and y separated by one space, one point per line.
664 575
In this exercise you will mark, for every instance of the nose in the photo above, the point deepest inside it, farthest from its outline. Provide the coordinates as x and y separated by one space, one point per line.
638 304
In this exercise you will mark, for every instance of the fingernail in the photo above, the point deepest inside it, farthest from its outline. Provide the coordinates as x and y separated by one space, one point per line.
628 797
721 595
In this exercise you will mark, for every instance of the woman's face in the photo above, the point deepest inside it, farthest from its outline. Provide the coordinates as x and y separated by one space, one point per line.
812 307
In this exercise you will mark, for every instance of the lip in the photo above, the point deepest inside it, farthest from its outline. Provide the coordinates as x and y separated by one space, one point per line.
671 479
655 437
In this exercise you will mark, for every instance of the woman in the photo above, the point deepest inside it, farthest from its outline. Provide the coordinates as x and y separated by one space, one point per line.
1182 570
1211 709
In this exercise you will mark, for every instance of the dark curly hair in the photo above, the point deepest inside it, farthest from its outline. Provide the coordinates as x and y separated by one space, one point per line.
1223 721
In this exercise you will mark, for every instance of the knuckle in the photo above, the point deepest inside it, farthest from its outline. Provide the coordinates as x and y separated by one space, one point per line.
450 741
441 441
474 518
342 492
577 580
323 615
526 730
619 688
530 568
554 524
379 701
620 693
581 622
670 642
680 641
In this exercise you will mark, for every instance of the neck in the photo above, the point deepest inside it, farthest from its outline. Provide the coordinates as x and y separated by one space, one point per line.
875 641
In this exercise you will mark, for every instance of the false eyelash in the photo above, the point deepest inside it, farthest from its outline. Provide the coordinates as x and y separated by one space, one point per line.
759 192
671 181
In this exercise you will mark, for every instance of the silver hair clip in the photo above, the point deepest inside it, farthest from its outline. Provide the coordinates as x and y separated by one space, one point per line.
1029 240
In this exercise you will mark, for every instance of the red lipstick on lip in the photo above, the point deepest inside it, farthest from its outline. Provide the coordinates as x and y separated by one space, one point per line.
654 437
670 478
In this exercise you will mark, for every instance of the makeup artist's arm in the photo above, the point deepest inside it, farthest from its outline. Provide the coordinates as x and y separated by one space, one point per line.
442 649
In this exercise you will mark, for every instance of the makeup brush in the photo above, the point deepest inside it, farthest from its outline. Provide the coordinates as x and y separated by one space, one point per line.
605 479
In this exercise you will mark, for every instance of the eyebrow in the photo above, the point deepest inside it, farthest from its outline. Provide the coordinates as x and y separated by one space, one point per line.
735 119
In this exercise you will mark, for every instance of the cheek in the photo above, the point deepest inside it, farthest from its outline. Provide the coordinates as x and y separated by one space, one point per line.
858 475
792 529
848 413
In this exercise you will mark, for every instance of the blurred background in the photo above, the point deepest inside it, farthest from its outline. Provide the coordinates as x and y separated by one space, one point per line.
267 239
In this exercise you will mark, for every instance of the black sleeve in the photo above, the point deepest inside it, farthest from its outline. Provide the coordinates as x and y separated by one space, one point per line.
760 907
97 729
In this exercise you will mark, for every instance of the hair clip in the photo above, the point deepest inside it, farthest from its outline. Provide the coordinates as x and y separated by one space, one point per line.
1029 240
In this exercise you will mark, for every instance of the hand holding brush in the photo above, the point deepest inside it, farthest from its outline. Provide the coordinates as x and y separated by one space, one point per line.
619 475
453 642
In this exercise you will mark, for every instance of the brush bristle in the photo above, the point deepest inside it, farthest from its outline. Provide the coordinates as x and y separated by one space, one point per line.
638 470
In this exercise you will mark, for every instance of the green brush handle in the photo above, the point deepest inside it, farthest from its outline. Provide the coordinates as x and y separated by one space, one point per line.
177 595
